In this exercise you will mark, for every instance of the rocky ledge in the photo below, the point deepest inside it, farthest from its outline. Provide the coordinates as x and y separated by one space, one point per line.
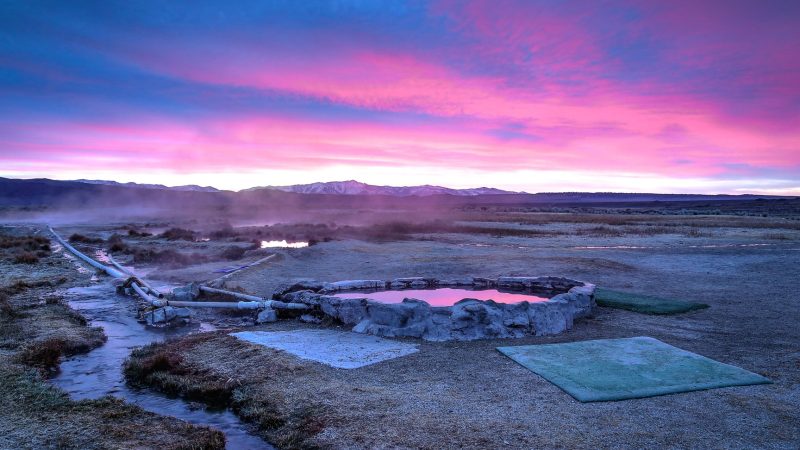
468 319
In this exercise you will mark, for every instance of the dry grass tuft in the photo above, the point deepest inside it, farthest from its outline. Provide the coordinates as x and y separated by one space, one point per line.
81 239
6 309
26 258
178 234
43 354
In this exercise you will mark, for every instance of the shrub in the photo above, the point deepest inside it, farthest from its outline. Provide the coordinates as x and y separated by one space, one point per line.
116 244
27 243
175 234
226 231
44 354
116 248
81 239
26 258
233 253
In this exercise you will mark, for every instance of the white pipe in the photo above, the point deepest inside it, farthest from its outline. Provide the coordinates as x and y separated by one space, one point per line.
247 297
254 299
237 305
282 305
253 303
152 300
150 289
218 281
117 265
109 270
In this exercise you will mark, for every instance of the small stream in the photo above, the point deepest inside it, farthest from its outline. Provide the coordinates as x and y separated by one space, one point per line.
99 372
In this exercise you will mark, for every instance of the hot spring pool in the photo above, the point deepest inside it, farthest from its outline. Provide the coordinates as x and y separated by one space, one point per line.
445 296
456 309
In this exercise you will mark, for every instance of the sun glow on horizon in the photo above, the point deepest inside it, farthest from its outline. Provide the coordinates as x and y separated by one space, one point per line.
520 95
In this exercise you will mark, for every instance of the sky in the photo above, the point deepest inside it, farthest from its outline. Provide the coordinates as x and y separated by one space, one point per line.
534 95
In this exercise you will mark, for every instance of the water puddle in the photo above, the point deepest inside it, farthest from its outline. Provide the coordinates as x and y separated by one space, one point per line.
99 372
444 296
283 244
626 247
634 247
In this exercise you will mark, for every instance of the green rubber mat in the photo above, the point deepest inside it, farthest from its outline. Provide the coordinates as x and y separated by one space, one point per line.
644 303
619 369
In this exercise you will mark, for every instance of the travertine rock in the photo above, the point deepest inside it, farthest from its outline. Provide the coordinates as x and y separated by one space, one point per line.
468 319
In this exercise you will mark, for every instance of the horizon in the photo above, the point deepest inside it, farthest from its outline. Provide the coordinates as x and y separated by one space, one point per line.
279 187
679 98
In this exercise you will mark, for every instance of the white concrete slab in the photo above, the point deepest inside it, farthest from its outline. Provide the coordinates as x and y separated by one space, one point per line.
340 349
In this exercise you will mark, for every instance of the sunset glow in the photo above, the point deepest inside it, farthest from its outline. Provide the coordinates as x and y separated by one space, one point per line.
679 96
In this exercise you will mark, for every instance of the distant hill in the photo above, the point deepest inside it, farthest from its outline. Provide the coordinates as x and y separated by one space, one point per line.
352 187
189 187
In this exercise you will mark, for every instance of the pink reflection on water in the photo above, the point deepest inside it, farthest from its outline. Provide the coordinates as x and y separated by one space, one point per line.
444 296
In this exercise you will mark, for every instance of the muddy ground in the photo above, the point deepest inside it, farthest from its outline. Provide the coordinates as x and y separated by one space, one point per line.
37 329
466 394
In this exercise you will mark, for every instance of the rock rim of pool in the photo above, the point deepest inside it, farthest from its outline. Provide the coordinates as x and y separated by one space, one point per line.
468 319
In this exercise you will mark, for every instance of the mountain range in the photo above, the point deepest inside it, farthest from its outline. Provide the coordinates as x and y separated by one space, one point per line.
188 187
353 187
345 194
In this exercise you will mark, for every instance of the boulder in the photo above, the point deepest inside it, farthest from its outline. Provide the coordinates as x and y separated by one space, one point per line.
267 315
297 285
188 293
349 311
353 285
467 281
308 318
307 297
160 316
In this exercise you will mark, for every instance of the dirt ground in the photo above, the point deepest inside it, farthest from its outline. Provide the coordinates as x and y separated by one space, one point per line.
37 329
468 395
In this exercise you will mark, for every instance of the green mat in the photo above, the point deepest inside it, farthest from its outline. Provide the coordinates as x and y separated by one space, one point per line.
619 369
646 304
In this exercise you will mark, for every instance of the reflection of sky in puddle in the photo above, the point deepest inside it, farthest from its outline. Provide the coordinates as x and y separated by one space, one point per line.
283 244
444 296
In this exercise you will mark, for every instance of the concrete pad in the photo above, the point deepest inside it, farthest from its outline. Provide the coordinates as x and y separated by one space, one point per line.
618 369
343 350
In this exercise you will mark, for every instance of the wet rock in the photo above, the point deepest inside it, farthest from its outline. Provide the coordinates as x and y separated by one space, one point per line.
161 315
186 293
476 319
353 285
515 282
349 311
183 313
267 315
583 299
298 285
407 283
467 281
307 297
308 318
